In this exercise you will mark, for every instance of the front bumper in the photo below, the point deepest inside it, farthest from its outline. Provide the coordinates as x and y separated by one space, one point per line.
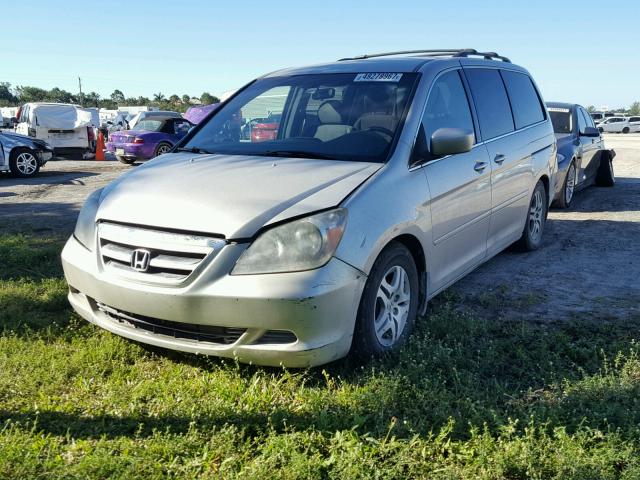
318 306
44 156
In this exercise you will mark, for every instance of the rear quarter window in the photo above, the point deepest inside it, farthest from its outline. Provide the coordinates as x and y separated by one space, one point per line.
492 103
525 102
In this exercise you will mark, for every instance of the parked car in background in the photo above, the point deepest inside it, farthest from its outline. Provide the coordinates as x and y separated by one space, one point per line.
196 114
601 116
138 117
21 155
265 129
152 136
618 125
67 128
389 180
583 159
634 124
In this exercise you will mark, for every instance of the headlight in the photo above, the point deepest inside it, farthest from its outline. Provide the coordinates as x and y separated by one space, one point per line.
86 224
299 245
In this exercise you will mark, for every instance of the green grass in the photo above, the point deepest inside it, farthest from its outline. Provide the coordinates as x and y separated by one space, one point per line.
467 398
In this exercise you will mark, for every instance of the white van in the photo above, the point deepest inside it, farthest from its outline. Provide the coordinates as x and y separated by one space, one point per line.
64 126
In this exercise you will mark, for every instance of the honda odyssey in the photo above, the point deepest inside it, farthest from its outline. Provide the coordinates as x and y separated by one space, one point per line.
387 178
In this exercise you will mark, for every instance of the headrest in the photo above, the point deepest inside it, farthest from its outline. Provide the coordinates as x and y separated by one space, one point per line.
328 112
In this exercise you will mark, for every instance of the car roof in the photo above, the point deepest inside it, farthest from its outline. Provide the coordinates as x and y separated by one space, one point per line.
570 106
400 62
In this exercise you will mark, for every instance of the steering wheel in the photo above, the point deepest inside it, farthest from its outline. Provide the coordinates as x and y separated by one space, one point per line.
382 130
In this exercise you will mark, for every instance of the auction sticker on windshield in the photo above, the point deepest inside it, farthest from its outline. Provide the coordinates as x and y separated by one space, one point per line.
558 110
378 77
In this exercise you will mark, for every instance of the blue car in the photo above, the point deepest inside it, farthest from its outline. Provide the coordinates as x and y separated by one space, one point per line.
21 155
583 159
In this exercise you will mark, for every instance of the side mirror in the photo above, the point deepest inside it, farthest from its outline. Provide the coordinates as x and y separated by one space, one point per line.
590 132
449 141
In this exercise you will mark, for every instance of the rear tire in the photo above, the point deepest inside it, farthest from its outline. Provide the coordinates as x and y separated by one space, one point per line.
625 130
389 304
23 163
162 148
125 160
605 176
568 188
531 238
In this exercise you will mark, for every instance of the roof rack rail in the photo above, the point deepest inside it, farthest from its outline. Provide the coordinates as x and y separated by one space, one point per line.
459 52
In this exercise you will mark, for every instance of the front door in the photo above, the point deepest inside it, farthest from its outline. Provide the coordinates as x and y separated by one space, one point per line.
460 187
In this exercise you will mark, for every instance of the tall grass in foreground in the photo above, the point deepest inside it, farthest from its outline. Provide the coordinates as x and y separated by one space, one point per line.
469 397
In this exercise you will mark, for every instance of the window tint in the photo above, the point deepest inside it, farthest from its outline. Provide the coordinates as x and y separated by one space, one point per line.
447 106
525 103
491 102
634 119
582 122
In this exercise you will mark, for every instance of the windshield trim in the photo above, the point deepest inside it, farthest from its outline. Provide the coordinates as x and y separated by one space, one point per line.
392 145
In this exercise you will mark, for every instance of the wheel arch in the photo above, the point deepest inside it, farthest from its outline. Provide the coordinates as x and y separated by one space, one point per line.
412 243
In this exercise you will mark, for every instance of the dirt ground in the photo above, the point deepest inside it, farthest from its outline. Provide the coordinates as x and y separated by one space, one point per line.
589 265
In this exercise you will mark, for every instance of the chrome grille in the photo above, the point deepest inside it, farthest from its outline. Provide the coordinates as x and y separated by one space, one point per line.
172 256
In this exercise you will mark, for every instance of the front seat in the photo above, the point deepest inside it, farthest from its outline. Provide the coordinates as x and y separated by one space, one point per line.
331 126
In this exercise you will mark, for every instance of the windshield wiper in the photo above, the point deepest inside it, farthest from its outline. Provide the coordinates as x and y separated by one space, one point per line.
192 150
296 154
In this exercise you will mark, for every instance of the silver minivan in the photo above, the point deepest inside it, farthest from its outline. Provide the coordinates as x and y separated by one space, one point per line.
367 186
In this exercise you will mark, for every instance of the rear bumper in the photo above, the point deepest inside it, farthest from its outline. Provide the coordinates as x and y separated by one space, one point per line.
63 151
318 306
130 150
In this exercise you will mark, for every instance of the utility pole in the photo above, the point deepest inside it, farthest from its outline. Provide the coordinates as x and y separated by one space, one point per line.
80 85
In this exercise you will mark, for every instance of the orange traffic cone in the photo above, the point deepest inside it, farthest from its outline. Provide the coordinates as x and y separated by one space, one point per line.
100 147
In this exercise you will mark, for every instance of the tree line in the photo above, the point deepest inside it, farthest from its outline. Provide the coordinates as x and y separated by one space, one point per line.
15 96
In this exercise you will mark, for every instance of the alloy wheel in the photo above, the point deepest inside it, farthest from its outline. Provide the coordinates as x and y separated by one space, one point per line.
536 211
162 149
571 184
392 305
26 163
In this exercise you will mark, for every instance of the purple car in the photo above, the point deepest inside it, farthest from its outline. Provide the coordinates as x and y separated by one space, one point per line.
152 137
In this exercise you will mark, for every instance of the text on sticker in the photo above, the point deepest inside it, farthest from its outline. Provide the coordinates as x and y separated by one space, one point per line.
378 77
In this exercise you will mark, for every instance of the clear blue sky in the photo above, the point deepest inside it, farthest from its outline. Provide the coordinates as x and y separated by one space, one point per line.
578 51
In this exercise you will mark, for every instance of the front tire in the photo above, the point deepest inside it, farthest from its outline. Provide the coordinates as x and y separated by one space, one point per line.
23 163
625 130
568 189
531 238
389 303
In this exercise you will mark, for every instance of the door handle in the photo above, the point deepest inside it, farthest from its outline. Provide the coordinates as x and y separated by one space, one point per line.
499 158
480 166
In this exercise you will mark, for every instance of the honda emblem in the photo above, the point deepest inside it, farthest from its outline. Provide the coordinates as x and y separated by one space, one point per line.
140 259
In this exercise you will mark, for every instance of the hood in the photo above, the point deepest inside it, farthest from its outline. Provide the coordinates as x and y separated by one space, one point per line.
231 195
17 138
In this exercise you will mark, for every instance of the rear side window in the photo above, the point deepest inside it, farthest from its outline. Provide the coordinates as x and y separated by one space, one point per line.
634 119
492 103
525 102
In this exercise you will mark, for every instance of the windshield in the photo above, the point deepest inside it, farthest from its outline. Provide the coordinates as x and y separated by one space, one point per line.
149 125
562 120
327 116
